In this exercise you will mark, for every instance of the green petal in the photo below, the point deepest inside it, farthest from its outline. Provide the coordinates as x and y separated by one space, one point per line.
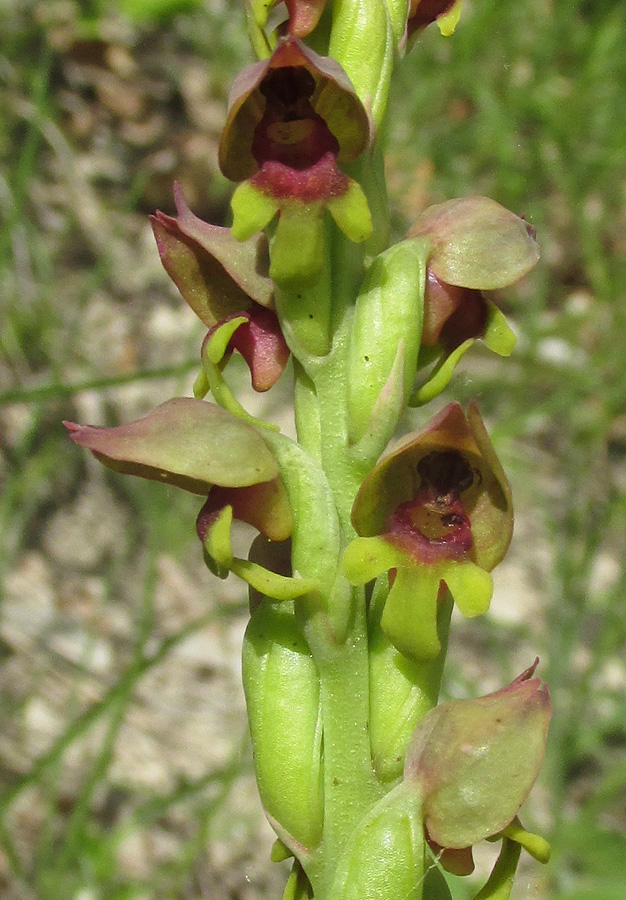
500 881
217 344
252 211
441 376
366 558
213 354
271 585
185 442
351 213
409 618
471 587
534 844
498 336
217 542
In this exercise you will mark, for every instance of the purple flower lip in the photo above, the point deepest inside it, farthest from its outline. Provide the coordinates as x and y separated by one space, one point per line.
441 494
321 180
434 525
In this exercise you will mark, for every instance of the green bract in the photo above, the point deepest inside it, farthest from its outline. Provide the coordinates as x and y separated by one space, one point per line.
362 39
282 693
387 327
384 858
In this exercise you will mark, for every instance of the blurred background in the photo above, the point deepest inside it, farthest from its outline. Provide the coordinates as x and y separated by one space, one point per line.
125 771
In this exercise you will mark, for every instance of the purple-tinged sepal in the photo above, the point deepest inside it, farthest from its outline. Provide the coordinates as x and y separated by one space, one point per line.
435 511
216 274
183 442
227 285
293 119
476 246
472 764
207 450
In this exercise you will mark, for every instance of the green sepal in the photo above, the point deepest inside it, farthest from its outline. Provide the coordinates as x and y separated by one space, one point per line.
470 586
384 856
274 586
253 209
499 336
409 618
217 541
500 882
351 213
282 690
441 375
297 248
